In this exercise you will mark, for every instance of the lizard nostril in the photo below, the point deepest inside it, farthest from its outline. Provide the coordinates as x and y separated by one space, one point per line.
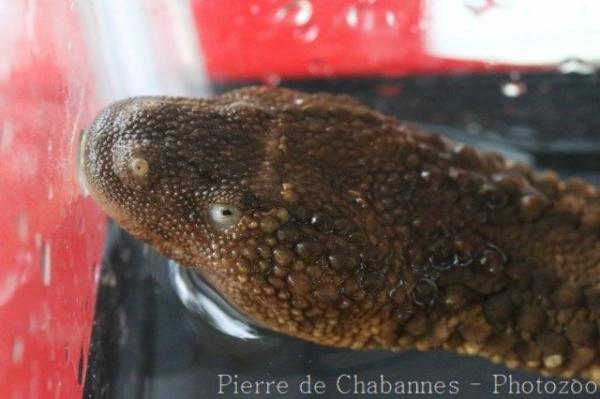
132 165
139 166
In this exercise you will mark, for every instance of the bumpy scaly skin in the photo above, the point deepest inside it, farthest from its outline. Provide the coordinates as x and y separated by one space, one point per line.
356 230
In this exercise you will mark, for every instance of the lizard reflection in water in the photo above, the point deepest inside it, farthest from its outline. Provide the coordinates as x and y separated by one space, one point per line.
323 219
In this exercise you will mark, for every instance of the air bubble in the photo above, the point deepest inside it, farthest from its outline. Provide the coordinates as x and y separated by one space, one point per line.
298 12
513 89
576 65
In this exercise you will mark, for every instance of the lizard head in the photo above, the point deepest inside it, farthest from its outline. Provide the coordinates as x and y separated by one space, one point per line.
267 192
176 172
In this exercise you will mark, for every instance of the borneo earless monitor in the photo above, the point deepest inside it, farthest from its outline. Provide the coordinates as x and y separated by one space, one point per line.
323 219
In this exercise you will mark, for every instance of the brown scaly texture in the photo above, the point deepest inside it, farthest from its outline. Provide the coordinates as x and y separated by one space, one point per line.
323 219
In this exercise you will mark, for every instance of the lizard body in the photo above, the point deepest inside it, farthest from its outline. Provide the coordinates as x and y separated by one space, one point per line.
323 219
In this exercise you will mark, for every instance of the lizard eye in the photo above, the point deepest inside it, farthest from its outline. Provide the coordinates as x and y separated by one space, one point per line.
223 216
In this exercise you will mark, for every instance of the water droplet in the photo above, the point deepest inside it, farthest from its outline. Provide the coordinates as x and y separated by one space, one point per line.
81 225
239 20
39 319
96 272
576 65
6 135
403 313
318 66
18 350
37 239
80 367
46 264
8 286
272 80
50 193
299 12
22 227
489 64
368 20
307 34
456 297
479 7
424 292
514 75
388 89
448 263
493 259
363 17
33 324
80 165
514 89
532 205
352 16
359 198
327 291
493 197
440 265
474 127
460 262
390 18
254 9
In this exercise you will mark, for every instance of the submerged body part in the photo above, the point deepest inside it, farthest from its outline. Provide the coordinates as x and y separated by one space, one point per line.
323 219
